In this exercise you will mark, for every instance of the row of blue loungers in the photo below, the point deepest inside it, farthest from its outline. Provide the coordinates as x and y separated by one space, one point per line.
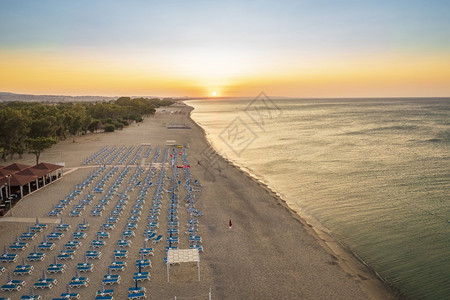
109 155
191 187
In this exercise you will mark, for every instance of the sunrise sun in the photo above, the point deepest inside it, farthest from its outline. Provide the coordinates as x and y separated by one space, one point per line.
214 93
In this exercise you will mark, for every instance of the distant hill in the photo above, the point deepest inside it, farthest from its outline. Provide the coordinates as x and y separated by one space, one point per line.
4 97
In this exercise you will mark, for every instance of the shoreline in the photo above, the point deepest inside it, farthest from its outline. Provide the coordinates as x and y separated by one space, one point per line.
374 285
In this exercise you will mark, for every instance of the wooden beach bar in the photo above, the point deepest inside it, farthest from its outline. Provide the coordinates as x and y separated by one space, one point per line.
19 180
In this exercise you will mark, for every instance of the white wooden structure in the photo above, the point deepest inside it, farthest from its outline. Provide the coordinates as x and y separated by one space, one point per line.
176 256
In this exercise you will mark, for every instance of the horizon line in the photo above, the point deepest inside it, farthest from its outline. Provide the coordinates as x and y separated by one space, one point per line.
229 97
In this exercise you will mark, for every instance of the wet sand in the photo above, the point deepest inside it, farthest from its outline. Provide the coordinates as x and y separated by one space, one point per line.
270 252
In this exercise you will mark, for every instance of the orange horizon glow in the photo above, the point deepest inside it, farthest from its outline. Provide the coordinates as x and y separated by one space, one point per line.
45 73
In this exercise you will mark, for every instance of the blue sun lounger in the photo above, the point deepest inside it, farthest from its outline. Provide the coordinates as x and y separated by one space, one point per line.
98 243
85 202
111 279
172 240
99 207
72 244
92 254
60 206
56 268
65 255
27 236
42 285
141 276
192 222
135 212
75 213
104 201
36 229
85 267
191 231
30 297
70 296
131 225
154 211
195 239
96 213
83 227
78 207
172 224
62 227
108 226
77 282
46 246
143 263
103 234
79 235
153 225
23 270
103 297
18 246
134 219
117 266
54 213
116 213
157 239
9 287
128 233
112 220
152 218
48 280
135 296
19 282
135 290
173 231
124 243
120 254
8 257
24 266
149 234
35 256
104 292
55 236
146 251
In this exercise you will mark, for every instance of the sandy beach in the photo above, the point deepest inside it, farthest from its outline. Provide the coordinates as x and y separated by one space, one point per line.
269 253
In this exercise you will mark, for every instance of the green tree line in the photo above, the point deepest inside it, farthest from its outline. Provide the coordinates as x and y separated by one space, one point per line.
33 127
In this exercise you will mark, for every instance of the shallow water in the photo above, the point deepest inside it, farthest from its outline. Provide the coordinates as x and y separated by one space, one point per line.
374 172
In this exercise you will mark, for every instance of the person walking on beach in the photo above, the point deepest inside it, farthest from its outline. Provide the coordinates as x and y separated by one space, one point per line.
229 224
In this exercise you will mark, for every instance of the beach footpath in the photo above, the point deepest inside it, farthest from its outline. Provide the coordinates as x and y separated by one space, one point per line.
254 246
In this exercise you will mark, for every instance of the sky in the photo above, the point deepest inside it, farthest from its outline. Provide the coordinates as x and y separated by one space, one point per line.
233 48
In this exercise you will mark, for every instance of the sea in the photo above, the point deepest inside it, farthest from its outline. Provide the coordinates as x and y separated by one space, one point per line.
372 173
